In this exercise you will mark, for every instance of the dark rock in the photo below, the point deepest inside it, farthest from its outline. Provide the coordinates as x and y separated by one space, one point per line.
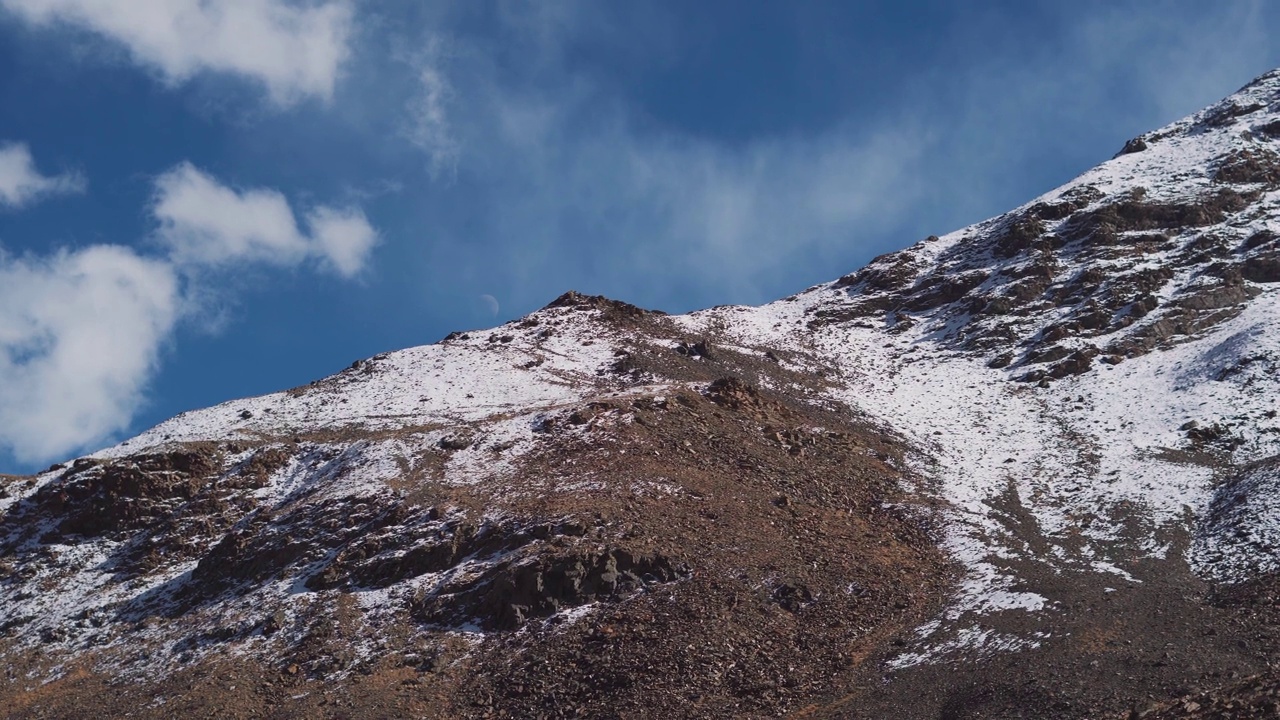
699 349
456 441
889 272
1094 319
125 495
1249 166
1000 361
263 464
1215 433
511 593
1104 225
610 308
792 597
940 290
1226 113
273 623
1027 290
1077 363
264 545
1216 297
1020 236
732 393
997 306
1049 354
1133 146
1258 239
1262 268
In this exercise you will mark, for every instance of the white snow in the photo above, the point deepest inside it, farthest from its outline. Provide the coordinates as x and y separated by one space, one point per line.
1046 475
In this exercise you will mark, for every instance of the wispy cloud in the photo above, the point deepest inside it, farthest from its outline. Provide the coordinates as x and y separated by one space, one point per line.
578 187
686 216
295 51
21 183
428 125
82 331
580 184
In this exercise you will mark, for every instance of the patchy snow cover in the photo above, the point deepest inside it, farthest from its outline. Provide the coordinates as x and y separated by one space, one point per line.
458 381
1066 455
1242 528
1052 475
1028 470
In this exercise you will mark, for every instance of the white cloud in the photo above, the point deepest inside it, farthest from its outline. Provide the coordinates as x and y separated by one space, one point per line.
344 238
293 50
205 223
80 334
21 183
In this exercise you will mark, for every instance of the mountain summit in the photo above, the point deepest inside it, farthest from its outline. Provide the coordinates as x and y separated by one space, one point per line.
1030 468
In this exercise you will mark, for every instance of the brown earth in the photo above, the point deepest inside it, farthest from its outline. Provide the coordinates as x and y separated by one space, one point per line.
746 554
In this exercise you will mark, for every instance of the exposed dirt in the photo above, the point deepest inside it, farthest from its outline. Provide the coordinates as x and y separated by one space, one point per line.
708 534
1140 645
742 551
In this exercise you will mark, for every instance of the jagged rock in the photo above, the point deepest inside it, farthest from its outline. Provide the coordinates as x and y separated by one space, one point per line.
512 593
792 597
1263 268
939 291
892 271
611 308
273 623
1002 360
733 393
457 441
1249 166
1077 363
1019 237
1135 145
699 349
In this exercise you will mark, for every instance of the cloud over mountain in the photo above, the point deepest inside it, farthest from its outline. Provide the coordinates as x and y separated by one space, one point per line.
82 330
80 335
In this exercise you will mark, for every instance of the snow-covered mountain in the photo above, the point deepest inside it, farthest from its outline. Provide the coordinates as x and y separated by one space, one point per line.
1028 468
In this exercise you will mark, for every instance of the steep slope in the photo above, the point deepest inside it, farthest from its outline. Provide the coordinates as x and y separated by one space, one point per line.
1090 379
584 509
1027 468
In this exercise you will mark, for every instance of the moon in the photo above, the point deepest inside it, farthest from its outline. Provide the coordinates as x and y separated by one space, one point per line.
490 302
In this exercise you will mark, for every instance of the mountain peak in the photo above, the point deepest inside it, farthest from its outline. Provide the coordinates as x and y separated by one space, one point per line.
1168 239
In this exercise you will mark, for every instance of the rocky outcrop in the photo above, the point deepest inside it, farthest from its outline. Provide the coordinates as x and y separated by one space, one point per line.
512 592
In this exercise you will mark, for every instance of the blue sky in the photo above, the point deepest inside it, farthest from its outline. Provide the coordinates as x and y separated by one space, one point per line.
206 200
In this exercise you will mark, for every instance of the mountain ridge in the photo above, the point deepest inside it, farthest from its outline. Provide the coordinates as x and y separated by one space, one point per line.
1050 435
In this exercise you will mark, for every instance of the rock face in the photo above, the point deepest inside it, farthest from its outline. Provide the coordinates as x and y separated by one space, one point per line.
1025 469
610 539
